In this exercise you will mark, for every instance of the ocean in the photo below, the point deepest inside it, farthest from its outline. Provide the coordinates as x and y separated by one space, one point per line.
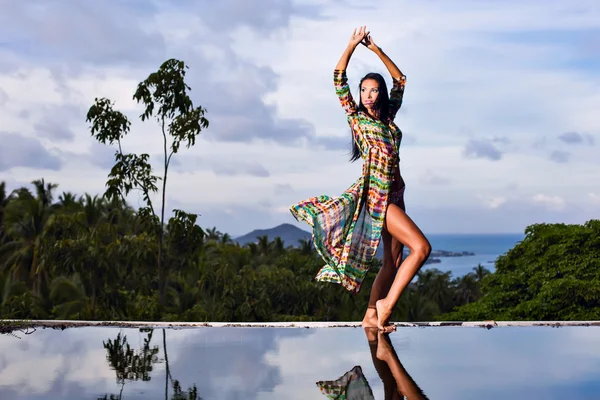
487 248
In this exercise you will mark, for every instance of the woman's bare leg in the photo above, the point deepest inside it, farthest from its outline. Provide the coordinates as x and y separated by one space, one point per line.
404 230
383 370
404 383
392 257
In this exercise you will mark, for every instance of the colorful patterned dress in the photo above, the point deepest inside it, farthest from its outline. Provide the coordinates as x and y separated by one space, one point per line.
346 230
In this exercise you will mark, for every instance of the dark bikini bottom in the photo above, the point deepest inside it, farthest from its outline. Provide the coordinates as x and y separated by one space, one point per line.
397 197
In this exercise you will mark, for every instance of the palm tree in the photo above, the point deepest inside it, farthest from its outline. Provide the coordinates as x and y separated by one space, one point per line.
264 246
253 247
10 292
225 239
44 191
67 201
467 289
4 200
68 297
480 272
418 307
435 285
27 220
306 247
213 234
94 210
278 245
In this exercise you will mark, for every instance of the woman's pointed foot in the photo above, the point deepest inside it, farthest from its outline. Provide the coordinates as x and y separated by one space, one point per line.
384 312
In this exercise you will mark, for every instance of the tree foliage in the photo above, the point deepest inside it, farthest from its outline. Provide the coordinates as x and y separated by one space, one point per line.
164 95
553 274
93 258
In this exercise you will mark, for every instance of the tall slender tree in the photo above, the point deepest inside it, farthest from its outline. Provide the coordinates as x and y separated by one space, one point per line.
164 95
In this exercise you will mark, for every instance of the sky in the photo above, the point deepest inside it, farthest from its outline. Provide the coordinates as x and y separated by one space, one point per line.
499 115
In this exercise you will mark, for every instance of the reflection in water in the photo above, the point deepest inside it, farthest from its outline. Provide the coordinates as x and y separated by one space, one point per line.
258 363
397 383
130 365
351 385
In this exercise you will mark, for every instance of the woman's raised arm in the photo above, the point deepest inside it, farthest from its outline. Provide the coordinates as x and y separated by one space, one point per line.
389 64
398 78
355 39
340 79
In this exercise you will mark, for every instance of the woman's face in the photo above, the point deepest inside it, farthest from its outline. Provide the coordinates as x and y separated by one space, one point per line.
369 90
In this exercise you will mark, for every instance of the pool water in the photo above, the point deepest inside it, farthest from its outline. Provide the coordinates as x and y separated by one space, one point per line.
300 363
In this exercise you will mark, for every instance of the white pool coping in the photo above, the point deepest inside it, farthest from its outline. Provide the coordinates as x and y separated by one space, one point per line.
63 324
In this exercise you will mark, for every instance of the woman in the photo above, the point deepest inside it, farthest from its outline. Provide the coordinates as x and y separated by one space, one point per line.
347 229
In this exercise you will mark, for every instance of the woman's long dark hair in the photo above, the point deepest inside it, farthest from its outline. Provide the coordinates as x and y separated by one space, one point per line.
382 105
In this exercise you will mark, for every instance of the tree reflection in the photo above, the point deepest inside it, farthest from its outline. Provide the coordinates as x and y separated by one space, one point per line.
397 383
131 365
178 393
128 364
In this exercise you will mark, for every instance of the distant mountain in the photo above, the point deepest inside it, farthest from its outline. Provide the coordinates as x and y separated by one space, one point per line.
289 233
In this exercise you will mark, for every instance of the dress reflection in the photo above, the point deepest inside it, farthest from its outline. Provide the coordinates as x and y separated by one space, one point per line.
397 383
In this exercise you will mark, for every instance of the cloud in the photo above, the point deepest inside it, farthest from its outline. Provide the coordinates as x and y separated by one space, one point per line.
83 32
22 151
3 97
577 138
263 16
492 202
429 178
552 203
54 124
236 168
501 139
246 124
102 155
561 157
336 143
256 169
481 148
283 188
53 130
540 143
230 87
594 198
263 72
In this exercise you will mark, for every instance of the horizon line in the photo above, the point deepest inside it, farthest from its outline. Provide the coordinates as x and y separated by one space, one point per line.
238 235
